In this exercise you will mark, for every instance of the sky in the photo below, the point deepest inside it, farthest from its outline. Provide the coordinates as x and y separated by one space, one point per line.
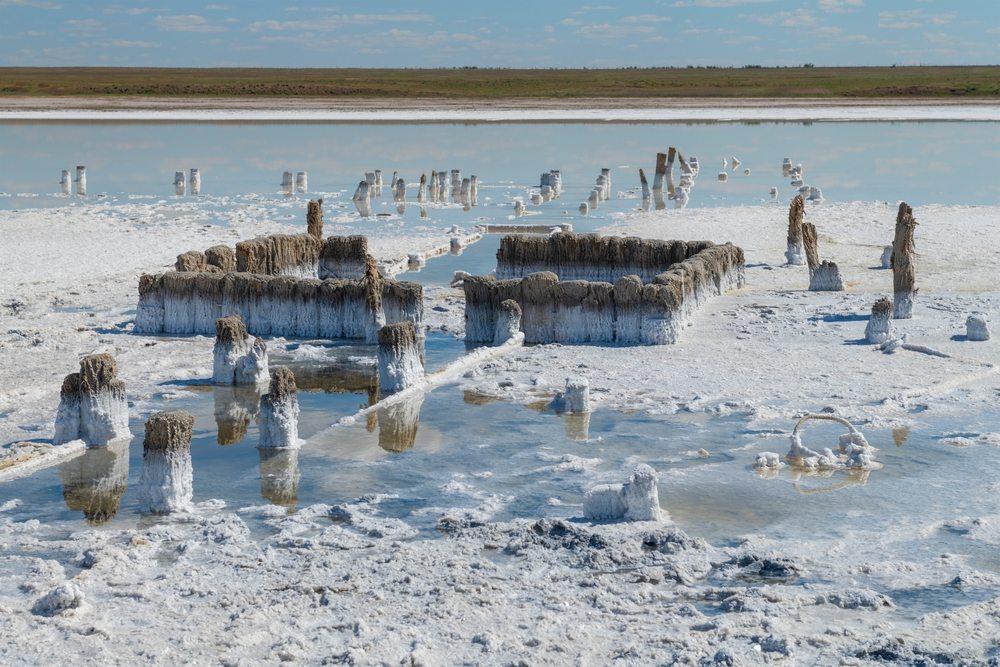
508 33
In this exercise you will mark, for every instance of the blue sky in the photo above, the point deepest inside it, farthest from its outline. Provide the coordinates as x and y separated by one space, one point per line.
307 33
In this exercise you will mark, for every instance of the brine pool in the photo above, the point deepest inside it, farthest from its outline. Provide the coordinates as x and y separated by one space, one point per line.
453 454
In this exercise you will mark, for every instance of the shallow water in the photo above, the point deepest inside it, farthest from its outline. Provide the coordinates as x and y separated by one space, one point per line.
921 163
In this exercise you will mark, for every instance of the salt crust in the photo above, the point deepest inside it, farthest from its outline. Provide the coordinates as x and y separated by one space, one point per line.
582 592
356 592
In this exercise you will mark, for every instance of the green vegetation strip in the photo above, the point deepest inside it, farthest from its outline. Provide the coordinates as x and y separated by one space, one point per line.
471 83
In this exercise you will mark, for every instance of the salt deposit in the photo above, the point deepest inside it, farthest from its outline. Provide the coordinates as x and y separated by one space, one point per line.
166 477
92 404
399 364
879 327
279 412
976 328
508 320
886 259
636 500
238 357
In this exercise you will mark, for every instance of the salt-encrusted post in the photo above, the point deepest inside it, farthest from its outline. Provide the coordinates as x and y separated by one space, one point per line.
976 328
81 181
92 404
399 190
363 193
374 312
577 394
399 363
903 276
434 185
508 321
637 500
238 357
302 181
195 182
180 187
646 194
65 182
287 181
314 218
166 478
661 171
422 192
823 276
879 328
279 412
796 253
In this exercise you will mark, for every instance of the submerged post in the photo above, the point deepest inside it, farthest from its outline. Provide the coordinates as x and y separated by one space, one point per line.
645 185
166 477
92 404
279 412
903 275
399 363
314 218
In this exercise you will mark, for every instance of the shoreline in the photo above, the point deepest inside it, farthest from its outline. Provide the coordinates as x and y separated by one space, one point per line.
699 109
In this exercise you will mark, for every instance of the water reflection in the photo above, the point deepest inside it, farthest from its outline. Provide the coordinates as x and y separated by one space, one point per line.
397 423
578 426
279 476
94 482
235 408
363 207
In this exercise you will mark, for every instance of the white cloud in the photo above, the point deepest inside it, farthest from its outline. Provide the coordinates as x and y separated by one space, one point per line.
135 11
571 22
607 31
188 23
222 8
993 31
126 44
462 37
549 28
89 24
840 6
800 18
742 40
328 23
911 18
645 18
716 3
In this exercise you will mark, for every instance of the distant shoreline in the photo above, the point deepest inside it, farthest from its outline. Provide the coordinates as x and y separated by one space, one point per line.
228 109
658 84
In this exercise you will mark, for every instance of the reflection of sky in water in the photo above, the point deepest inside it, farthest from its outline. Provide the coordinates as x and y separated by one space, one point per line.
922 163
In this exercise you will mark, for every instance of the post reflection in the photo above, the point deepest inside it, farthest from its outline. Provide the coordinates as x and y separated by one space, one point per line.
95 482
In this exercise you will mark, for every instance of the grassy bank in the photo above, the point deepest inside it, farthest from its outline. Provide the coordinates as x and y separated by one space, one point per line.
823 82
